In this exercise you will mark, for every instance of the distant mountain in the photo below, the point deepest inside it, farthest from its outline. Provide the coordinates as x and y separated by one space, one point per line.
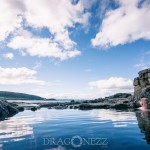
18 96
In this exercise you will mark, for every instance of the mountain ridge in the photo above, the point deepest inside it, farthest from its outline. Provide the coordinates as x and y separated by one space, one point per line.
8 95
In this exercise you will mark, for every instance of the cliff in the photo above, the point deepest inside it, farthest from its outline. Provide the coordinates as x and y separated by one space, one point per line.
142 85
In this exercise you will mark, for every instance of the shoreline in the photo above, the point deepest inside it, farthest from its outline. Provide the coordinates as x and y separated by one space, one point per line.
8 109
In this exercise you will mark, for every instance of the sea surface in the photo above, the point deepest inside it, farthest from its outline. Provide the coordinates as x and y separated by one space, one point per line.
42 101
69 129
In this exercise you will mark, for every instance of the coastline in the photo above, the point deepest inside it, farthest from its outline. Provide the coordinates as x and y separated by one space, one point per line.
12 108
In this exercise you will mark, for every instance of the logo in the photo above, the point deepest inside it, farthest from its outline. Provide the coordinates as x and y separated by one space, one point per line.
74 139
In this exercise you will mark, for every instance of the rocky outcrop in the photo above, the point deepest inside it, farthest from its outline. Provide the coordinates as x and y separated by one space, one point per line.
7 109
114 103
120 95
142 84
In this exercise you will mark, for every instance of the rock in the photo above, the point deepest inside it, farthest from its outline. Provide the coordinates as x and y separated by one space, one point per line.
76 106
71 107
20 108
125 102
120 95
146 93
61 107
143 72
85 101
33 108
93 106
136 81
72 101
142 84
121 106
7 109
12 110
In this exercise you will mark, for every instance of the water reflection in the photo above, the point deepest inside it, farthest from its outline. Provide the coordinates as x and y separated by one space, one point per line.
20 126
143 117
27 129
117 118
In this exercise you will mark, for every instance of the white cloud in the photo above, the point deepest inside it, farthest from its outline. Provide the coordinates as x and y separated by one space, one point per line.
144 61
125 24
140 65
16 76
9 55
9 18
58 16
42 47
112 85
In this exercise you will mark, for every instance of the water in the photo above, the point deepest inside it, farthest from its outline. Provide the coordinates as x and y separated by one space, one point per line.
51 129
41 101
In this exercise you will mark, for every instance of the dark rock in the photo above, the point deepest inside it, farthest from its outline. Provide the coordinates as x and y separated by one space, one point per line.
71 107
143 71
91 106
33 108
135 104
72 101
121 106
60 107
7 109
20 108
75 107
12 110
125 102
85 102
120 95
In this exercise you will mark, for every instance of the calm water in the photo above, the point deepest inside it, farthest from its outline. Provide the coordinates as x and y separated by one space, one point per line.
52 129
41 101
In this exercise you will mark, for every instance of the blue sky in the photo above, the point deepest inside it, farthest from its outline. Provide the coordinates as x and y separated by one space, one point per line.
73 48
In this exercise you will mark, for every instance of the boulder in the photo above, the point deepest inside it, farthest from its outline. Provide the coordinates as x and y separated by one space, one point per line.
7 109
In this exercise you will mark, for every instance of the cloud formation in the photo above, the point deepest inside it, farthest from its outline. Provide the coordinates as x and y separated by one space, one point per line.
41 47
9 17
112 85
129 22
58 16
16 76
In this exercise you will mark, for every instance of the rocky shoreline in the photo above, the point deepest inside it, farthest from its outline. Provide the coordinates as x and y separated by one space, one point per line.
117 101
8 109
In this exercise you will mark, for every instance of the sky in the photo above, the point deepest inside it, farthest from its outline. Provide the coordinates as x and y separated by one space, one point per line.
80 49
